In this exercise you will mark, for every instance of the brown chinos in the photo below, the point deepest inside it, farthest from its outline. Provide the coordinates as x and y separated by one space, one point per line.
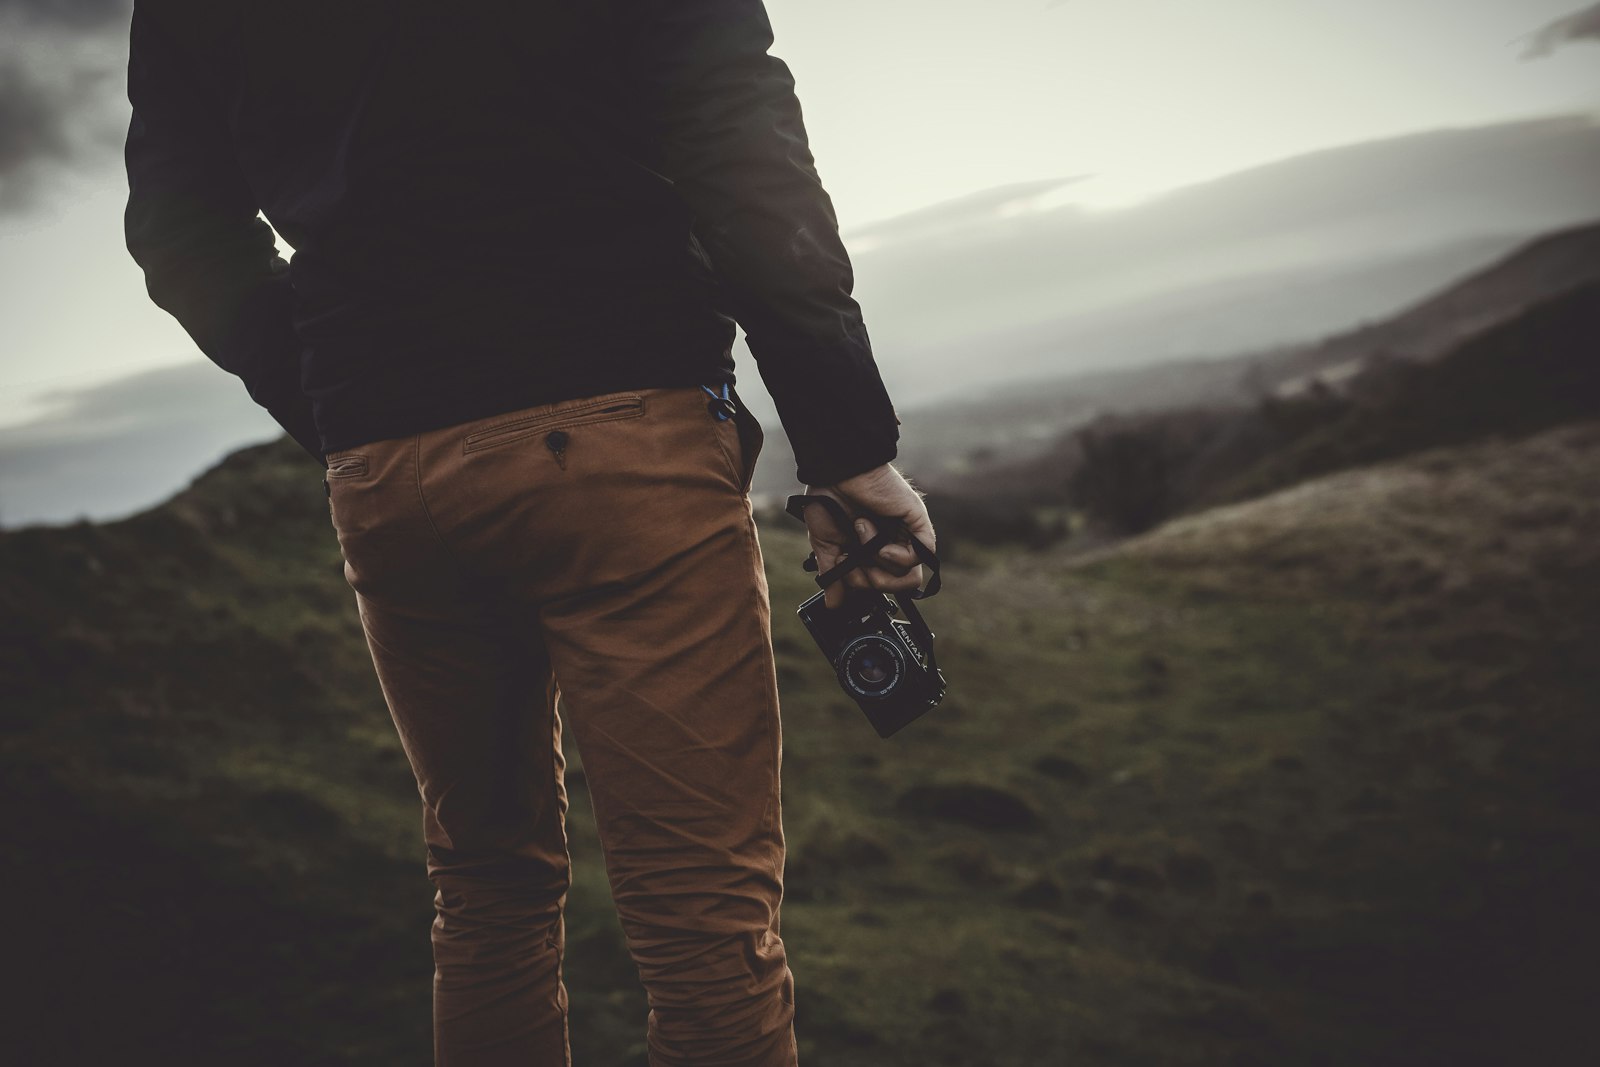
591 563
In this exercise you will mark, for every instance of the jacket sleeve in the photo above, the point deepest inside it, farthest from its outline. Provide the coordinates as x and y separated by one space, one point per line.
723 117
192 225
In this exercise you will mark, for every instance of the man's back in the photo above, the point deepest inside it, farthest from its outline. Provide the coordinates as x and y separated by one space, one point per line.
477 210
479 200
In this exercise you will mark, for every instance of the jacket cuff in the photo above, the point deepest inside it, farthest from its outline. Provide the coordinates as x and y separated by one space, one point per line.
830 450
835 410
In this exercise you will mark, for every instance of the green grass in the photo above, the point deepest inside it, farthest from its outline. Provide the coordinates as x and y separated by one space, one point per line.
1310 781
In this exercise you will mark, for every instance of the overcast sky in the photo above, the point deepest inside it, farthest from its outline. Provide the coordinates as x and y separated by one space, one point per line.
908 103
914 101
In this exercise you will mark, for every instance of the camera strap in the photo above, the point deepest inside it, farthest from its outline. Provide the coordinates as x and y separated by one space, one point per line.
859 553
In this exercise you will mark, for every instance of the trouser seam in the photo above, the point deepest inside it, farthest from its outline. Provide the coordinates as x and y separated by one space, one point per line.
733 466
552 690
770 710
422 500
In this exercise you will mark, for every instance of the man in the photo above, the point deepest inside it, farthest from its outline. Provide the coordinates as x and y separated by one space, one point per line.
523 231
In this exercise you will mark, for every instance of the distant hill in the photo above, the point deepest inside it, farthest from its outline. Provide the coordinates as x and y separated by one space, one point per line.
1017 424
1537 370
1510 349
1545 268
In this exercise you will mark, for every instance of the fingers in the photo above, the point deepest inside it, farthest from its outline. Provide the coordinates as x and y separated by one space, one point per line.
896 558
883 579
833 593
819 522
894 568
884 582
827 544
872 577
853 579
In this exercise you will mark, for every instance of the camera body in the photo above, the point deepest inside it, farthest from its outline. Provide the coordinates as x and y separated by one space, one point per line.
877 657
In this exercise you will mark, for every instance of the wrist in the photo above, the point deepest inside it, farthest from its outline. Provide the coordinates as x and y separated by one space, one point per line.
867 480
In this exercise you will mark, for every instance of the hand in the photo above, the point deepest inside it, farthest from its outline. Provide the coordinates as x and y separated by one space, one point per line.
882 491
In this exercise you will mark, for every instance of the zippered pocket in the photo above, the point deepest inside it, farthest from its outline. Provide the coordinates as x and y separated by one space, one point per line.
601 409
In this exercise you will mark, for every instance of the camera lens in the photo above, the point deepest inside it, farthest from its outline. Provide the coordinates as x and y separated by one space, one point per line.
871 666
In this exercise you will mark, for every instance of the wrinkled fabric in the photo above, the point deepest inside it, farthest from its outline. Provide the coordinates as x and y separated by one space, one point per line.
586 568
492 205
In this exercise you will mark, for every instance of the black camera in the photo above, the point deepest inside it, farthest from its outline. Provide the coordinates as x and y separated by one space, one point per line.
879 660
884 663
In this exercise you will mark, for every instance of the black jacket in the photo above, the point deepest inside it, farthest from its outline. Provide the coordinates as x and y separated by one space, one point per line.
492 204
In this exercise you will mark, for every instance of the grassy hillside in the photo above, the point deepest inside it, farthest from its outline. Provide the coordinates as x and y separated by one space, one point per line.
1307 780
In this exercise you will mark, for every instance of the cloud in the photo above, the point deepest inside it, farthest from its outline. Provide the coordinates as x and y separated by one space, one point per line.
47 122
963 212
63 106
1578 26
109 449
72 14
